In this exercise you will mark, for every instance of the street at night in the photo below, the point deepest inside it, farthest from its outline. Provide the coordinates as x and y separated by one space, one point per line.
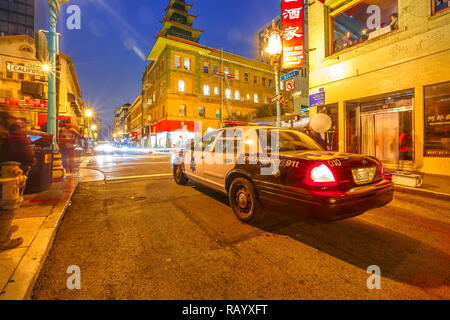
225 159
148 238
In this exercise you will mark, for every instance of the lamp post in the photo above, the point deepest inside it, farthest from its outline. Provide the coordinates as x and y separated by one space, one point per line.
88 113
51 110
275 49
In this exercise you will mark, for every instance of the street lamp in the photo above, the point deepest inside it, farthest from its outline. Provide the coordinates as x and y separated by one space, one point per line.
94 127
52 106
46 67
88 113
275 49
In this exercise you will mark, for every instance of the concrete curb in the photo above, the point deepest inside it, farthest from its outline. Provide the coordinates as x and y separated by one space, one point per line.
29 267
423 192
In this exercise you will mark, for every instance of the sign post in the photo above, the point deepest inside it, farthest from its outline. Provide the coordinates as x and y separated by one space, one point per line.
293 34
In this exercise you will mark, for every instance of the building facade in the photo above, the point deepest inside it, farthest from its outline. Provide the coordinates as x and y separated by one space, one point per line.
300 94
189 88
381 71
136 131
23 86
17 17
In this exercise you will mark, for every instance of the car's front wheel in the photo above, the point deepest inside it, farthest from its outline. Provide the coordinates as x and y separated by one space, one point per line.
179 176
244 201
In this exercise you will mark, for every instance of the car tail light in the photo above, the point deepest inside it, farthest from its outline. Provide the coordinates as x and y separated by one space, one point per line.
381 169
320 175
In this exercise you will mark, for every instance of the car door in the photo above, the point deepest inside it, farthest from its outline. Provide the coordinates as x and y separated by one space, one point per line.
222 157
194 158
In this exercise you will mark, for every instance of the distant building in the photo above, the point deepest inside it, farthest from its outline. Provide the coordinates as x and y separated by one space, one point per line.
136 125
23 90
188 85
300 94
17 17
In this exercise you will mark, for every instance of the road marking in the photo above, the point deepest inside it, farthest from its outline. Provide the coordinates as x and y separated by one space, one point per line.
141 177
85 163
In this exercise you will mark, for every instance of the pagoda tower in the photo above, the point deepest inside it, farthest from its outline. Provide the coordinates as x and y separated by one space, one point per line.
177 24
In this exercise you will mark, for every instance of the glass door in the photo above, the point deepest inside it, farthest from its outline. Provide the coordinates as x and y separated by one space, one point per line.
386 137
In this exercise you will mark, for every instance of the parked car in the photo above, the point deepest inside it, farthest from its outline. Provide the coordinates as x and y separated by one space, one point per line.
243 162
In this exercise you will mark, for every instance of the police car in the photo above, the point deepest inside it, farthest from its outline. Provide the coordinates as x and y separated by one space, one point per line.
269 169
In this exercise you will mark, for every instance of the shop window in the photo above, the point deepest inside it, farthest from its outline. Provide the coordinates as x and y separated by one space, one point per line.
437 120
331 137
201 112
206 90
248 97
228 93
177 62
206 67
181 86
352 128
256 98
439 6
237 95
187 63
355 21
182 111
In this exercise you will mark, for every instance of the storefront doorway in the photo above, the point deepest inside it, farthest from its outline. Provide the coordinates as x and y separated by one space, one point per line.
385 130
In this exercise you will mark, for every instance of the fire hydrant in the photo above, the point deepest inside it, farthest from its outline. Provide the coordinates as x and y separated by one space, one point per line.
12 180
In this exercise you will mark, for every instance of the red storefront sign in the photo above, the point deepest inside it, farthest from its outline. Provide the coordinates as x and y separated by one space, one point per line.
42 118
173 125
293 34
23 103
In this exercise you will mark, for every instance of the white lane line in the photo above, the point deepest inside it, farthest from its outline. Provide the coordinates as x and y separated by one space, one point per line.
141 177
85 163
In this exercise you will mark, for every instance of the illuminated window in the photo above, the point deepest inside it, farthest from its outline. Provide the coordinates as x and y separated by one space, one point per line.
228 93
182 111
226 70
248 96
181 86
187 63
216 91
256 98
439 5
206 90
177 62
236 74
237 95
201 112
355 21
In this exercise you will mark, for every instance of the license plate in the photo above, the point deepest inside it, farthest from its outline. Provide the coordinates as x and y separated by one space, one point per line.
363 175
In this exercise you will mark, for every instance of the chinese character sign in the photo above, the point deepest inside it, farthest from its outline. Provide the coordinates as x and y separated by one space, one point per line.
293 34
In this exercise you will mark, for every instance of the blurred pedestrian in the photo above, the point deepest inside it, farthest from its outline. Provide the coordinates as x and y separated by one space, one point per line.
16 147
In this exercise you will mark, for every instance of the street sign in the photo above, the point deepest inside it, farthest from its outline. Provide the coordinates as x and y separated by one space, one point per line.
290 85
317 98
276 98
290 75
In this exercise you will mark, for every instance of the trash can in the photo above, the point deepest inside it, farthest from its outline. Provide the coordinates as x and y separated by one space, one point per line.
40 176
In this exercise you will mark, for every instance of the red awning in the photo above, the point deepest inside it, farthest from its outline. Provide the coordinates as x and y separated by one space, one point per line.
173 125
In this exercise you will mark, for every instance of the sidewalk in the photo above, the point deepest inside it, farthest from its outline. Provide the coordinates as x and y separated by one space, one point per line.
38 220
435 186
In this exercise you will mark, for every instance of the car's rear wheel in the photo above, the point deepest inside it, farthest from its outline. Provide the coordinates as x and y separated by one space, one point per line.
244 201
179 176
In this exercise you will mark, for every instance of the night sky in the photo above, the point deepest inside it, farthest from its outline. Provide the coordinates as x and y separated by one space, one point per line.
115 35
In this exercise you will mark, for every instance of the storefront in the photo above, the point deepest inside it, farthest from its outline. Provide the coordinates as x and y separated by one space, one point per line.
383 127
172 133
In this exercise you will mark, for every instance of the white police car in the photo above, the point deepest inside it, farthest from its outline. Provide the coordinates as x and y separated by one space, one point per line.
266 168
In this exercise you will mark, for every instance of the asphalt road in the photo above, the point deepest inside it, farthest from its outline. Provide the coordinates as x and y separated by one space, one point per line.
135 234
